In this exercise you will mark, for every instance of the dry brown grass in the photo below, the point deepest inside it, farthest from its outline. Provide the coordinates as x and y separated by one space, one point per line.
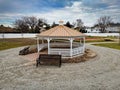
12 43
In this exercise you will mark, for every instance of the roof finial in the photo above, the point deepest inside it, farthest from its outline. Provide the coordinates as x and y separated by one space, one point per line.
60 22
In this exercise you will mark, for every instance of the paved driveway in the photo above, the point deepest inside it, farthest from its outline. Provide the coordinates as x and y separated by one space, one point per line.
100 73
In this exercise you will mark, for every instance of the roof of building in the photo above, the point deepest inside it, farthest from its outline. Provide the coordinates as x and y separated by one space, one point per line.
60 31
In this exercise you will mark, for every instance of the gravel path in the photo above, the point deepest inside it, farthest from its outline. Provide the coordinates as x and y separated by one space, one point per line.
100 73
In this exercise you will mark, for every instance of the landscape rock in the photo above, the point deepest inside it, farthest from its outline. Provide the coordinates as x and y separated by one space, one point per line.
28 50
24 51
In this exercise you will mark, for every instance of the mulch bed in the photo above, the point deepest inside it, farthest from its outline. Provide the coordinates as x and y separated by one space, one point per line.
88 55
75 59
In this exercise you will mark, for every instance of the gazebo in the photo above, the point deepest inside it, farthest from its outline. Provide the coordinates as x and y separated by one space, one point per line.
60 40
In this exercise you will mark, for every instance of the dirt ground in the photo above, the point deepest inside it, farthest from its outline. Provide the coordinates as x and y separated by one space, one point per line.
100 73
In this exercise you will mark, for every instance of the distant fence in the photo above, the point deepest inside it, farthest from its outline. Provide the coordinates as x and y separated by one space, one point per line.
102 34
31 35
17 35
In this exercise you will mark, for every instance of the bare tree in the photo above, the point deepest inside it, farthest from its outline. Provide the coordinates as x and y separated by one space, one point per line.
21 26
104 22
41 25
78 25
31 22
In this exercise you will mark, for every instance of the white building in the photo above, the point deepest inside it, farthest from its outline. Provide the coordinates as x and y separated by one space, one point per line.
93 30
113 29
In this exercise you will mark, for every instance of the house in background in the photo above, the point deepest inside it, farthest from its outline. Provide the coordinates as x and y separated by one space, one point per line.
88 29
113 28
95 29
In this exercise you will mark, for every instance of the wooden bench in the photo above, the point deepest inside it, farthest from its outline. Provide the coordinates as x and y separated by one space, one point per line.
49 59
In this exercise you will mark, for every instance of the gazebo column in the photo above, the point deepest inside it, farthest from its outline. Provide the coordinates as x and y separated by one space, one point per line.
83 44
38 44
48 40
80 41
71 41
42 41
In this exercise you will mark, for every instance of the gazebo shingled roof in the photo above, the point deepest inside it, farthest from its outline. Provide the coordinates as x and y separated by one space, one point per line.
60 31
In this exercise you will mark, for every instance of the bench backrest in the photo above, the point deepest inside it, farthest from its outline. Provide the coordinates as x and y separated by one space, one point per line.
49 56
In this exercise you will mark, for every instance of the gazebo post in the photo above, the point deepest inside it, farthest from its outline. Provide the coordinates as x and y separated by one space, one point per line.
80 41
38 44
71 41
83 44
48 40
42 41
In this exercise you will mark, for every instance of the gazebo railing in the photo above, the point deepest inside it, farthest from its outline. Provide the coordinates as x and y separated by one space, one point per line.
77 50
63 52
66 52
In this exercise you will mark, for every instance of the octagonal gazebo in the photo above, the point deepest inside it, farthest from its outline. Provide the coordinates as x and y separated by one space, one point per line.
59 34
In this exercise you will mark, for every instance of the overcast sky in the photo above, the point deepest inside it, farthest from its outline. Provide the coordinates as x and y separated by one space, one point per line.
54 10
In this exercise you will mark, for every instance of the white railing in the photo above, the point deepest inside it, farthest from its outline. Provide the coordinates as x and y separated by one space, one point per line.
66 52
78 50
63 52
102 34
17 35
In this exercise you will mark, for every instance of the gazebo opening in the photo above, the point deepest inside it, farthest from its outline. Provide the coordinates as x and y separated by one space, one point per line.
63 41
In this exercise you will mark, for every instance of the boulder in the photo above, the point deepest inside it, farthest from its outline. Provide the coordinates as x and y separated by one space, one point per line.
24 51
28 50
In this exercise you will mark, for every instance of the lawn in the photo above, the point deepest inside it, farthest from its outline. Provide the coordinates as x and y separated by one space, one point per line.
109 45
17 42
90 39
99 39
12 43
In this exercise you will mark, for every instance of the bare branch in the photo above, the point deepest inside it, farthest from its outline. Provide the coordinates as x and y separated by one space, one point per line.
104 22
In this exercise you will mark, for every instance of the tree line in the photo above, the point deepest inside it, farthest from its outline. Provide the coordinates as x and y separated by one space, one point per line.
31 24
4 29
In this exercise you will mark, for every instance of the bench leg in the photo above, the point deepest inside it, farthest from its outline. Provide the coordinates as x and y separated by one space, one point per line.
37 62
60 63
